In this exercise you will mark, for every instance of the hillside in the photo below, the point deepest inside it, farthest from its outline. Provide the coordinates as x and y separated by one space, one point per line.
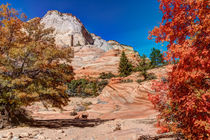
92 54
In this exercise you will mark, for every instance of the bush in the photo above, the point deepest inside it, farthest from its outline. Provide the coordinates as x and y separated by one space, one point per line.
151 76
127 81
85 88
104 75
139 81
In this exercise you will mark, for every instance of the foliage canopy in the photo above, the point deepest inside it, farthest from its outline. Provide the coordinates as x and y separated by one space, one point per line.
32 67
184 105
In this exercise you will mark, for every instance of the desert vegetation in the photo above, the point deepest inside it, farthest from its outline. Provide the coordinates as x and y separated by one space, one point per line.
105 75
86 88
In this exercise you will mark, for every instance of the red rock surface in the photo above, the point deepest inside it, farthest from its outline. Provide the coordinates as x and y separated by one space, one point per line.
117 101
107 62
124 101
103 62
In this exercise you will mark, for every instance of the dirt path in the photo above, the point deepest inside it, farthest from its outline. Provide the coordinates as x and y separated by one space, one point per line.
128 129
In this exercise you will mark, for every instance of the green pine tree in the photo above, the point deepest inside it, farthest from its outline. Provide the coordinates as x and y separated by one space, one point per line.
156 57
125 67
143 67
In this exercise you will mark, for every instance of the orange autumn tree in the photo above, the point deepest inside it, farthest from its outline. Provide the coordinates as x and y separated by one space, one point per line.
32 67
184 100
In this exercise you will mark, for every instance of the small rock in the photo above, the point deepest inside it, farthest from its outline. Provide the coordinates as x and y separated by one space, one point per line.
73 113
1 125
16 138
23 135
36 132
79 108
9 135
58 138
60 131
101 102
41 132
40 137
118 127
85 115
4 136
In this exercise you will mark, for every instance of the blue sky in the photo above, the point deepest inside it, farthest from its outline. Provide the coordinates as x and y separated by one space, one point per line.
126 21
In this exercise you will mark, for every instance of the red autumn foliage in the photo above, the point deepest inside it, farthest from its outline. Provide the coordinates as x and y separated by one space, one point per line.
184 105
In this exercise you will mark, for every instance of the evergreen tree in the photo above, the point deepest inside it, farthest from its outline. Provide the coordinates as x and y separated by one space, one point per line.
125 67
143 66
156 57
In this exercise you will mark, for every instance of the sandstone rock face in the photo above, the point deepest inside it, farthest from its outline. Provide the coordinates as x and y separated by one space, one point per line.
132 55
100 43
127 100
69 31
107 62
84 55
117 45
92 54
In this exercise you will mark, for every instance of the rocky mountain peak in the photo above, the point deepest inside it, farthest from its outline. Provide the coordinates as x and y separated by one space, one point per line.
92 54
69 31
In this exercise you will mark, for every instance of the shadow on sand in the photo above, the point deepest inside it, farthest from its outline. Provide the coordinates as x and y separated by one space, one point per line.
59 123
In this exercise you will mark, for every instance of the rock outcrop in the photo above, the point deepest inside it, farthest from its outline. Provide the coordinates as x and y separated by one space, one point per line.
92 54
69 31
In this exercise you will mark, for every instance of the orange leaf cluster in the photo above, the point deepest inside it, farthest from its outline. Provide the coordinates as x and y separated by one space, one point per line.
32 67
186 27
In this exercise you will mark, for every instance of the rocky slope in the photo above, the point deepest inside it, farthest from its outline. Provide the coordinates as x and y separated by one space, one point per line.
126 103
92 54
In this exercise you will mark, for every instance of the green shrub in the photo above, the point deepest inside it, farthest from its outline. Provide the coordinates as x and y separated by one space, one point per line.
127 81
139 81
151 76
104 75
85 88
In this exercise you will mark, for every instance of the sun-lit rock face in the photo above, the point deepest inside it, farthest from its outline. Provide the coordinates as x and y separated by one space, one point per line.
117 45
132 55
92 54
69 31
